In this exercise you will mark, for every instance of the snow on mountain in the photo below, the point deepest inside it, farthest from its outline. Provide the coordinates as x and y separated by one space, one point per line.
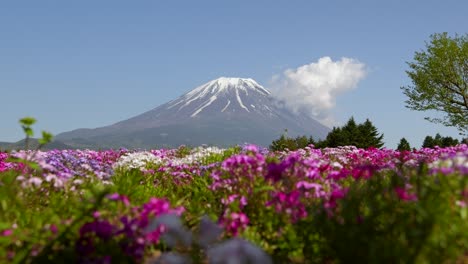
224 111
223 89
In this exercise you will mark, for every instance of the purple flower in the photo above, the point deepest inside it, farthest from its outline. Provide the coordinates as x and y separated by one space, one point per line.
275 171
102 229
53 228
89 231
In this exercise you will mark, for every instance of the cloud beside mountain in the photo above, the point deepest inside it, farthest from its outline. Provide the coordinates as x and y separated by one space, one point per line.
313 88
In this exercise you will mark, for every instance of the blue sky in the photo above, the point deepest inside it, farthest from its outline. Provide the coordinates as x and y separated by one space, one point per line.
75 64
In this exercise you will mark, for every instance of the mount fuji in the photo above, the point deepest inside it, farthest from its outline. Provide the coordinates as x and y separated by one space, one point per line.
222 112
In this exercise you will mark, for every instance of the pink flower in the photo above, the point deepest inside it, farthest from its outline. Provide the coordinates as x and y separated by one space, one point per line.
96 214
233 197
336 194
6 232
235 222
404 195
307 185
290 204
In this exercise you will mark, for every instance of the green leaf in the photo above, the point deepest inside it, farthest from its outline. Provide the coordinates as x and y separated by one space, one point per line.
264 188
27 121
28 131
46 138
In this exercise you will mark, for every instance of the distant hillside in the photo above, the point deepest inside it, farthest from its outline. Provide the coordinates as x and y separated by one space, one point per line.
33 144
4 145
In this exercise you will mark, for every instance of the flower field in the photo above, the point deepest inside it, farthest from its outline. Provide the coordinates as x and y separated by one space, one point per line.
237 205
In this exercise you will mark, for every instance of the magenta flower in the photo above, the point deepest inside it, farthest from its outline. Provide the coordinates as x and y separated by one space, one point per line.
337 194
364 172
290 204
234 222
233 197
404 195
53 228
6 232
252 148
307 185
118 197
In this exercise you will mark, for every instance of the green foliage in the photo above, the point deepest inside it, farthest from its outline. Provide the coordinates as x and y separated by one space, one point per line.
46 138
440 80
26 124
285 142
38 215
183 151
363 135
404 145
376 226
438 140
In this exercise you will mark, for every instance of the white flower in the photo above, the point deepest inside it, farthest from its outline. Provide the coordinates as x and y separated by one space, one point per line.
137 160
197 155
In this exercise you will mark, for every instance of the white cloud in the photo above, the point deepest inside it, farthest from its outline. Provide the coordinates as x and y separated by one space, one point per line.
313 88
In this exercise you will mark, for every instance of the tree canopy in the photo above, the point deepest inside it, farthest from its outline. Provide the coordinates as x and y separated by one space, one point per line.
363 135
404 145
439 78
438 140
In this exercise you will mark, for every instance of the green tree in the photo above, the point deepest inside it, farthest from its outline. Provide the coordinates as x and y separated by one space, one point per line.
449 141
428 142
368 136
439 78
311 141
404 145
334 139
363 135
438 140
284 142
301 142
351 133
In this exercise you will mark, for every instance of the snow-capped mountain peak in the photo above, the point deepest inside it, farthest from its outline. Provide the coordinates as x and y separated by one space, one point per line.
224 84
227 93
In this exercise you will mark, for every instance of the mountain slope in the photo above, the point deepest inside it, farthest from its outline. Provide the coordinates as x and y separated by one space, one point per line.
225 111
33 144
